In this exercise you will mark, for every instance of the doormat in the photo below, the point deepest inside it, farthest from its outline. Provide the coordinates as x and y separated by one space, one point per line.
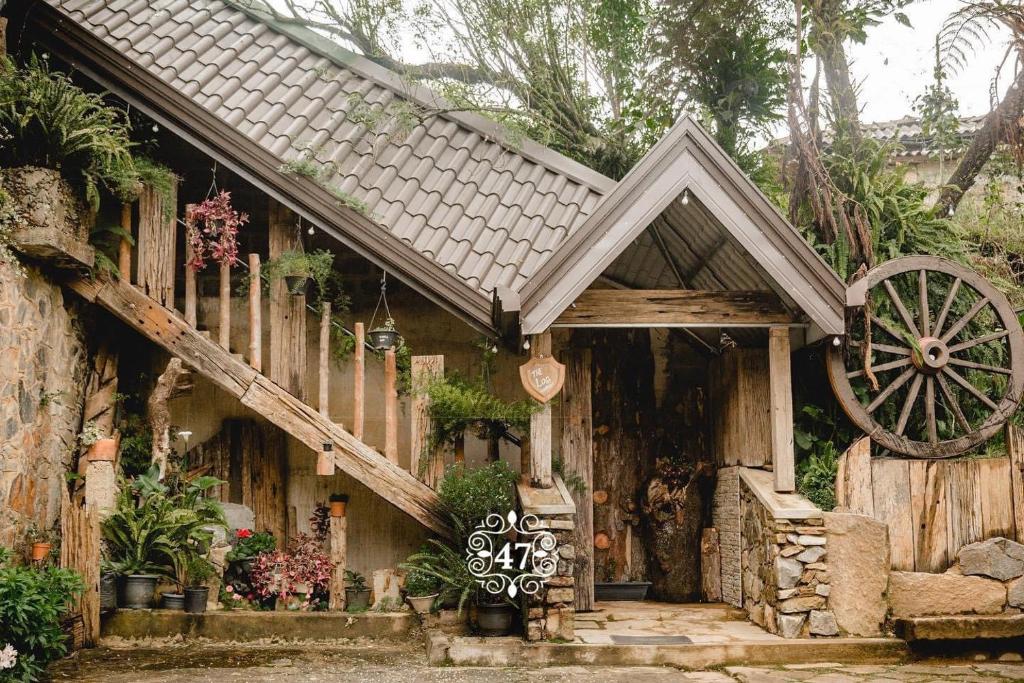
650 640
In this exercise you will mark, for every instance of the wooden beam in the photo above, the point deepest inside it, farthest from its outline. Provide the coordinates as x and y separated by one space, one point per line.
425 463
578 458
267 399
1015 449
540 425
325 360
255 314
124 248
391 406
224 307
506 308
359 384
674 308
781 401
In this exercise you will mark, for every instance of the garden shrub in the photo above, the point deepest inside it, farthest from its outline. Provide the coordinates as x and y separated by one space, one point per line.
32 602
470 495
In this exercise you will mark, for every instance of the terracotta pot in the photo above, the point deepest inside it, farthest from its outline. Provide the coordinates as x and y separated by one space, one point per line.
104 450
40 551
338 508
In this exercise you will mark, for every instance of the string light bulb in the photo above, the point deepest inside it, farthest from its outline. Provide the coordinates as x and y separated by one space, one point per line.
526 344
686 197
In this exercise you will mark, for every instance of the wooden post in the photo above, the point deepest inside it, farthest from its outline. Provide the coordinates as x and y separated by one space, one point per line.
425 370
191 296
155 241
325 358
1015 448
255 314
390 406
124 249
781 402
358 407
578 456
710 566
339 558
224 327
287 311
540 425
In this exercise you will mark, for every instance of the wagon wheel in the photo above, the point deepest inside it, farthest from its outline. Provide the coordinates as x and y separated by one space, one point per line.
934 363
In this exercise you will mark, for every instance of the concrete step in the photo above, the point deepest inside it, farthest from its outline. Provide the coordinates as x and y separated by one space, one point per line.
961 627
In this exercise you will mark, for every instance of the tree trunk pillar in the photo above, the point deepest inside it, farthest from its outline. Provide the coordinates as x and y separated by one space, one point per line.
781 401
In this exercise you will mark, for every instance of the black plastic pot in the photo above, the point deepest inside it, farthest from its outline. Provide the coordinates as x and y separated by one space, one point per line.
382 339
495 620
621 590
296 284
357 599
174 601
195 599
108 592
138 590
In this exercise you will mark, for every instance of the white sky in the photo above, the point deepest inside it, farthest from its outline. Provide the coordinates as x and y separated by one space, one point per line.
896 63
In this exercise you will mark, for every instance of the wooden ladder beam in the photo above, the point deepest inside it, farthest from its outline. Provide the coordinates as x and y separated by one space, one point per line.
165 328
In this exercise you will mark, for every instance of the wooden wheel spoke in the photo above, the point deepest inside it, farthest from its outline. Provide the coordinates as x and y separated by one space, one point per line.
963 346
901 308
968 317
940 321
908 404
954 405
980 366
929 410
891 365
971 389
887 328
922 295
884 348
887 392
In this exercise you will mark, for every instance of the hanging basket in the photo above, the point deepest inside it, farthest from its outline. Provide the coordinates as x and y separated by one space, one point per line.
296 284
383 339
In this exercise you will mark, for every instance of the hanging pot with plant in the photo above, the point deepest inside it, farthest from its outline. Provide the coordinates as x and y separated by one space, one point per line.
338 502
297 268
212 228
386 337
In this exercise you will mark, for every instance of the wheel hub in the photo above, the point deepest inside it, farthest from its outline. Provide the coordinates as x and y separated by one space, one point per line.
930 356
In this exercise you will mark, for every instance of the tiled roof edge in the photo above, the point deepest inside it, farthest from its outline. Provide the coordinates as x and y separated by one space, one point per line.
424 96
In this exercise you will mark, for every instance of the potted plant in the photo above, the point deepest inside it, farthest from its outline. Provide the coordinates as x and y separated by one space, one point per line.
297 268
357 595
200 570
385 337
494 614
247 545
101 448
421 590
212 229
108 587
338 502
41 541
302 570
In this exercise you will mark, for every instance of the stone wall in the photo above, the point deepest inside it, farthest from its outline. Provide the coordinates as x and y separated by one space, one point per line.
551 613
784 569
42 376
725 517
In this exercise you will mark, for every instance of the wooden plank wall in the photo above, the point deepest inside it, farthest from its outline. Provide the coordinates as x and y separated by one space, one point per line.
156 242
934 508
738 386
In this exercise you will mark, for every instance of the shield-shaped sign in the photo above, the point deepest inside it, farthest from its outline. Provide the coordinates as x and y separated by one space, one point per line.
542 377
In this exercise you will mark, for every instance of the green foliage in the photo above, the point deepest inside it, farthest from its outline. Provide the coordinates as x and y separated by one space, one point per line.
316 265
197 570
354 580
419 583
49 121
816 476
125 182
819 436
247 547
457 405
160 529
106 238
8 218
32 602
447 567
468 496
136 453
937 108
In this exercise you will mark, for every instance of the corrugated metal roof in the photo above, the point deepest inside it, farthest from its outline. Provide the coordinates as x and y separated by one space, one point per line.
485 207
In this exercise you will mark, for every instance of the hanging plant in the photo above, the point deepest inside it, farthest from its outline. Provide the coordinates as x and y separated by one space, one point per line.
212 228
297 268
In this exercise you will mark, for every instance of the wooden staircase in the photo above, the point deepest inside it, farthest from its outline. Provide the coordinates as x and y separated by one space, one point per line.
228 371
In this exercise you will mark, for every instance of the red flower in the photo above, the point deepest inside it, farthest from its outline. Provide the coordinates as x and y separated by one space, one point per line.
244 533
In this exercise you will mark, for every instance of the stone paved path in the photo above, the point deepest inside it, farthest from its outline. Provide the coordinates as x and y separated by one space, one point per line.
352 662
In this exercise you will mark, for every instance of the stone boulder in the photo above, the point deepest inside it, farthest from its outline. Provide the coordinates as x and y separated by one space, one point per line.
998 558
919 594
238 516
1015 593
858 549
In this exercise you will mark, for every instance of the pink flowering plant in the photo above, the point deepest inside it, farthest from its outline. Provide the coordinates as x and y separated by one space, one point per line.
212 227
304 565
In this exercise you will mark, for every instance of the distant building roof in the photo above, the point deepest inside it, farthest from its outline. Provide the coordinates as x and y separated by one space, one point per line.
907 132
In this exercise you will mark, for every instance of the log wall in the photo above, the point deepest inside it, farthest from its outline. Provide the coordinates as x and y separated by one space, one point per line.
934 508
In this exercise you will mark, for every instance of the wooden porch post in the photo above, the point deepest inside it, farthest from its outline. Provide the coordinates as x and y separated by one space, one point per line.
540 425
781 401
578 454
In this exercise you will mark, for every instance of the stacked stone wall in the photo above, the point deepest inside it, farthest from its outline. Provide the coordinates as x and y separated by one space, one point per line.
725 516
785 572
42 377
550 613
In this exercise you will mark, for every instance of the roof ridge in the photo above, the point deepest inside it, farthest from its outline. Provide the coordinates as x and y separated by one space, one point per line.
425 96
